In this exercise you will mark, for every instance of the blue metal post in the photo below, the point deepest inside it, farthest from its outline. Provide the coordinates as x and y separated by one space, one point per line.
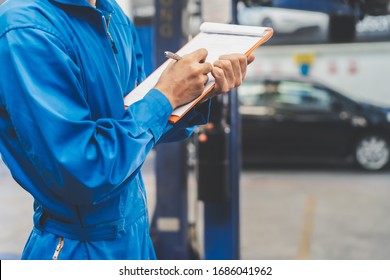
169 227
222 219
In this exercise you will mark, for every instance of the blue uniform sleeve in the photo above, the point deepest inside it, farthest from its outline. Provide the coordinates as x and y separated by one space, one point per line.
81 160
185 127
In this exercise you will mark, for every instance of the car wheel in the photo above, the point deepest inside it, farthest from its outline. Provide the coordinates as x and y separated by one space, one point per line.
267 22
372 152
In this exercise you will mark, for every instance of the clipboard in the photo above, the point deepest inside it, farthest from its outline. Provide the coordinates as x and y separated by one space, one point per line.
218 39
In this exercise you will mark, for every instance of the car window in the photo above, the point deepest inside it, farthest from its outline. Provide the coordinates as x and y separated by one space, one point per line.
302 96
289 95
250 92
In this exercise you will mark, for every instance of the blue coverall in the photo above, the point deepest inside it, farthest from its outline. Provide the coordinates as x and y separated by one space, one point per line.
65 134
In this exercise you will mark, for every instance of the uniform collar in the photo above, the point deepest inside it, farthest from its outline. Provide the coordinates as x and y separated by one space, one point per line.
101 4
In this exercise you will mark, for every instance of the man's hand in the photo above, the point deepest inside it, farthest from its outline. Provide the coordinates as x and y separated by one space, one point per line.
184 80
229 72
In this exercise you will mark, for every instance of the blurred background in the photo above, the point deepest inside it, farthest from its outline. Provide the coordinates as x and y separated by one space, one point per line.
301 167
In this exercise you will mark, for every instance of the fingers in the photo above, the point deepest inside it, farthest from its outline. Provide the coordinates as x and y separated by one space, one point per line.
238 63
205 79
198 55
221 84
184 80
206 68
250 59
201 68
230 70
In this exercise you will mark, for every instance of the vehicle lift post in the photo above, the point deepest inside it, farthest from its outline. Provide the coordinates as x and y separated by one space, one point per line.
169 227
218 176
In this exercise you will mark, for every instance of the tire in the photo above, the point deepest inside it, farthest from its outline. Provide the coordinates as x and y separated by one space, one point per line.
372 152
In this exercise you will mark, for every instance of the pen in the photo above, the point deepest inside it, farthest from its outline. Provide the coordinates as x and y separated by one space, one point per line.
172 55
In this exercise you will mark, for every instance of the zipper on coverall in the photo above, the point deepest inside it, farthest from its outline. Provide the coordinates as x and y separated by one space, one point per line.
113 46
59 247
112 42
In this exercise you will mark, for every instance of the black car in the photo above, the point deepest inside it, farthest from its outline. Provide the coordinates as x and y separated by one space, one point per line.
295 119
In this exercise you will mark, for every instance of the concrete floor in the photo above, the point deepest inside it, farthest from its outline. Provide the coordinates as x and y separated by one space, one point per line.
286 213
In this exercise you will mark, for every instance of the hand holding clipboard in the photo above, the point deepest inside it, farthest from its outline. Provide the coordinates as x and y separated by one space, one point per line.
219 39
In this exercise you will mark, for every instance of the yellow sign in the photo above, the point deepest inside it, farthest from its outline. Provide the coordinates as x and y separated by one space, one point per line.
304 58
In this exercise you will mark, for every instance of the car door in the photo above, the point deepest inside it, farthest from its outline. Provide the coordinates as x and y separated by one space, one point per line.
300 122
260 126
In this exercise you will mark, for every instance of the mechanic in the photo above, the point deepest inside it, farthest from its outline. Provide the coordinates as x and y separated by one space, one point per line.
65 133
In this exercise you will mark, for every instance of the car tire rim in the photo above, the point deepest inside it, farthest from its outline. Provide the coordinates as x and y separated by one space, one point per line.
372 153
